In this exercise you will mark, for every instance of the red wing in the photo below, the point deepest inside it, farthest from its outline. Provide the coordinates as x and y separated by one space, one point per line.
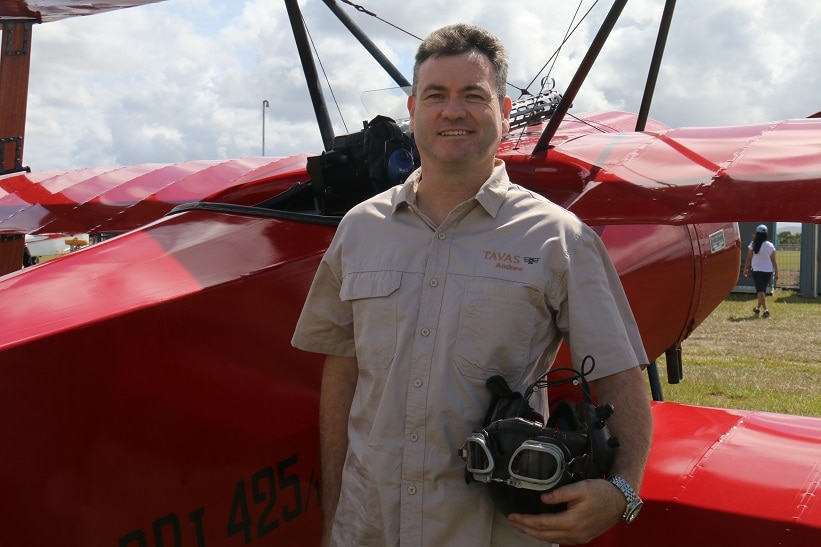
54 10
702 458
124 198
755 173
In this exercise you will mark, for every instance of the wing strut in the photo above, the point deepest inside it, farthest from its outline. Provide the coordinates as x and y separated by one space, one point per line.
366 42
309 68
15 60
578 78
655 64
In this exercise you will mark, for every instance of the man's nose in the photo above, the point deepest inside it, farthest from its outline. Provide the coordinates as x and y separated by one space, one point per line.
454 108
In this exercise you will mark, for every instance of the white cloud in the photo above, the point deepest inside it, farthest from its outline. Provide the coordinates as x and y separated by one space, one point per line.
185 79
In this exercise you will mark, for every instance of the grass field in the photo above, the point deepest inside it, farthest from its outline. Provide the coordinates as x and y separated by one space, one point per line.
736 359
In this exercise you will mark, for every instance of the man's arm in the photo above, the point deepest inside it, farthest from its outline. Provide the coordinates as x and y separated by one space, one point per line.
339 378
596 505
632 422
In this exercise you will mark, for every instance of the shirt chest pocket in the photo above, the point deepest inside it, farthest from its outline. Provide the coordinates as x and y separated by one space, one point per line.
496 329
373 297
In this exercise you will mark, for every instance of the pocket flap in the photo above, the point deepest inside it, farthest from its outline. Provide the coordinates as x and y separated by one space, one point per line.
369 284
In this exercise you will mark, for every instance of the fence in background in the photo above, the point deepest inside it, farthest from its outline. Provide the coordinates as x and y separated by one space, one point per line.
789 266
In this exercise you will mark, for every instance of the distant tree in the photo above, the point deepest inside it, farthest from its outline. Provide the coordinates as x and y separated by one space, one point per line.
787 239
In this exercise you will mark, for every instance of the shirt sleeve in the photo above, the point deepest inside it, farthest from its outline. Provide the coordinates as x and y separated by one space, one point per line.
326 322
595 317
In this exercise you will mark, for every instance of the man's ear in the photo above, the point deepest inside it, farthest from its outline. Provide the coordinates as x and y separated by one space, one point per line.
411 107
506 107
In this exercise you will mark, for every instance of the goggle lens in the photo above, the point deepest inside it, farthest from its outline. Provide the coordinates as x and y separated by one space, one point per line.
478 456
537 462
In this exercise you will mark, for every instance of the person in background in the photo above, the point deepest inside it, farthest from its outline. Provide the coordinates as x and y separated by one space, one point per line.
761 259
430 288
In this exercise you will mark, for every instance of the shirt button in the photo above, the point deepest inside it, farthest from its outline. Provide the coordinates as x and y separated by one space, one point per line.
440 235
417 382
433 282
425 331
414 437
411 489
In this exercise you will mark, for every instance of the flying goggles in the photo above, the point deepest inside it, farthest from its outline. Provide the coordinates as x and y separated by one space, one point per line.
519 457
537 463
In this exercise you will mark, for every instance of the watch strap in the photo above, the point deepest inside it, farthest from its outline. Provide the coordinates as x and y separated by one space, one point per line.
634 502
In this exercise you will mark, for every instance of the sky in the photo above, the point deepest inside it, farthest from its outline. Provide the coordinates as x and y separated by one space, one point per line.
183 80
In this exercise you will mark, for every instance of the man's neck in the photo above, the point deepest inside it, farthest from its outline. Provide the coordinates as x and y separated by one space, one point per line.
440 192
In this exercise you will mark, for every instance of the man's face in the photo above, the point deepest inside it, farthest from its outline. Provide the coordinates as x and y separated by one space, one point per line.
456 116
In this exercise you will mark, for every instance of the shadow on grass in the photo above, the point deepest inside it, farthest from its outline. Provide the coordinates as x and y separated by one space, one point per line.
782 296
734 319
795 298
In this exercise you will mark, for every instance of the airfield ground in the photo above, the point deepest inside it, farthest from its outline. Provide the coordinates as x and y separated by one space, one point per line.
736 359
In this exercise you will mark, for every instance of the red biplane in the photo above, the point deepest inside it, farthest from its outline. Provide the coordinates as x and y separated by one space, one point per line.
150 394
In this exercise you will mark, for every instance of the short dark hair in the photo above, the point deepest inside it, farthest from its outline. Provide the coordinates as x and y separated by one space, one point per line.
461 38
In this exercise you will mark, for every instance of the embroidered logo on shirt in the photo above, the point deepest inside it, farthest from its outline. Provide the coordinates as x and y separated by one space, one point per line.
508 261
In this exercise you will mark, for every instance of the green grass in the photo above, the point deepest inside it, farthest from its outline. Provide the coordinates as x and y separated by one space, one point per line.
736 359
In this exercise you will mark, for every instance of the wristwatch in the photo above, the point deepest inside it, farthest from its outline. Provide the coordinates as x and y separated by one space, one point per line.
634 503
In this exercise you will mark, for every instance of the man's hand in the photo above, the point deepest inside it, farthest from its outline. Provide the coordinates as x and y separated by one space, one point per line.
593 506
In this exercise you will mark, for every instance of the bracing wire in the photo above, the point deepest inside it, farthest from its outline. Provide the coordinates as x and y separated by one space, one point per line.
325 74
362 9
571 29
551 61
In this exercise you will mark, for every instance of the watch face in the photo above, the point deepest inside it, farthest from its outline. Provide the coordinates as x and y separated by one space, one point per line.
631 515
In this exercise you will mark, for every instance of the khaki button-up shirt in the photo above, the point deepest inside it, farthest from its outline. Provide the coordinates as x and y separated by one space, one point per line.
430 313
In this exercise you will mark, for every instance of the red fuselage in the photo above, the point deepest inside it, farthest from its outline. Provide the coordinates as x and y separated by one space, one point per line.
151 395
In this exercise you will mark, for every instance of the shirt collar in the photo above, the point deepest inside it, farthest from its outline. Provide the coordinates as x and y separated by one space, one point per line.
490 196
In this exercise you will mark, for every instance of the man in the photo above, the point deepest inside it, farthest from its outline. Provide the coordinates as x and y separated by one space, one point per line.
432 287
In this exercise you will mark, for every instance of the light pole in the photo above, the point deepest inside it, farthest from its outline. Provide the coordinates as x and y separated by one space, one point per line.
264 106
